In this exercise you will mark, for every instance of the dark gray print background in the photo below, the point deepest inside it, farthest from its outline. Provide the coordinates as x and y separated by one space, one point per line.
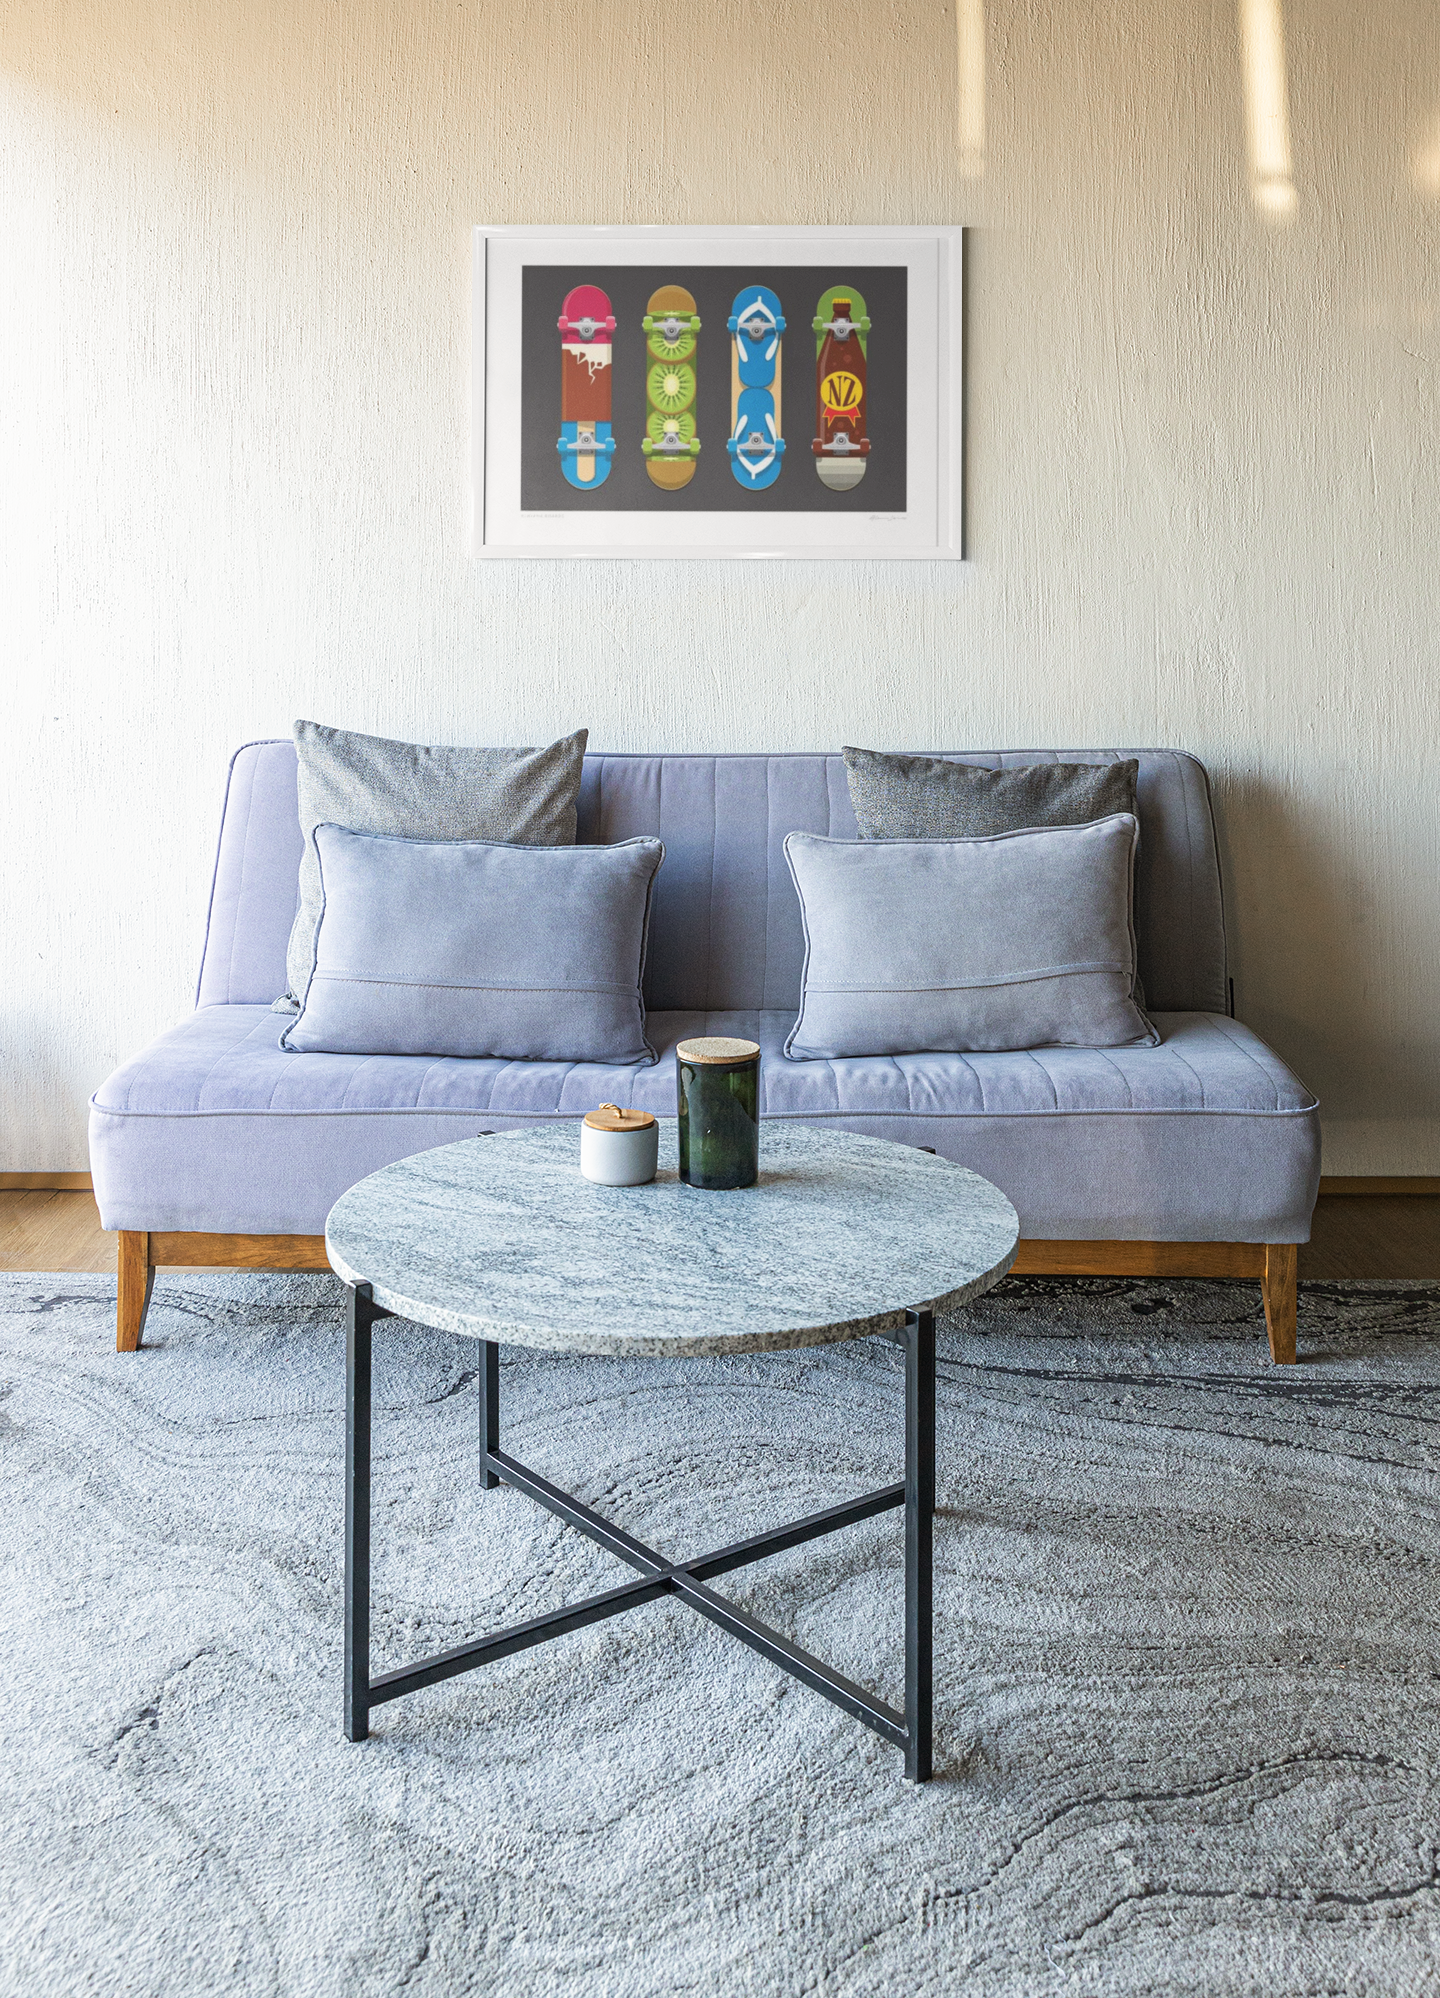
714 488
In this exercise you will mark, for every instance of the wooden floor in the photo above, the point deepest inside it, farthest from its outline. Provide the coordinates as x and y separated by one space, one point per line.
1353 1235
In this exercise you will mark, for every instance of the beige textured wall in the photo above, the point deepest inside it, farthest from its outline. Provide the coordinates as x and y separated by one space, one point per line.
1203 467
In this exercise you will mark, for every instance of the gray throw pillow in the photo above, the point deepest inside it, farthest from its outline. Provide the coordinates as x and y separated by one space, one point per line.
463 947
370 784
929 797
958 946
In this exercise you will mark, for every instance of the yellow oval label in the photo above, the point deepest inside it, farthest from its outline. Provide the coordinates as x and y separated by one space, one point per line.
841 390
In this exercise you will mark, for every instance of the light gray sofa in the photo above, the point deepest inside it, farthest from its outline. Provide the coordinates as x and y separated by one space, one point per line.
1199 1157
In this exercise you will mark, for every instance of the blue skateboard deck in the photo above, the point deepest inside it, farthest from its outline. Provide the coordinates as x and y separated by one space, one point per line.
756 444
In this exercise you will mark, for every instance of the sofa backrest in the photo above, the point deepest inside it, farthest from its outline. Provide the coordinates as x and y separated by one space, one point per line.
725 932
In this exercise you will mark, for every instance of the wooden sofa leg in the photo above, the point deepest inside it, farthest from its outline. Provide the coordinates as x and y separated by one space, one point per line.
136 1280
1282 1261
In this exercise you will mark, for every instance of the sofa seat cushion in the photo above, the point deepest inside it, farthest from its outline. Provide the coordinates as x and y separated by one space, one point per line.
1207 1137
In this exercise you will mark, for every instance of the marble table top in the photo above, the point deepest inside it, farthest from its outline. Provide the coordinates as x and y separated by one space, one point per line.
501 1238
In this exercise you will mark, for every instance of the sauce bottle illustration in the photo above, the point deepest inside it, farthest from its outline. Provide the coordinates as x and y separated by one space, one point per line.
842 443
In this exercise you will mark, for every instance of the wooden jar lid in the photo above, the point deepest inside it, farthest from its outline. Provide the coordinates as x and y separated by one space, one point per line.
717 1051
610 1117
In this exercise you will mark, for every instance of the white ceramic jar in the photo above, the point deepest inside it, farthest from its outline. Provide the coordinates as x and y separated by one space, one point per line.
619 1147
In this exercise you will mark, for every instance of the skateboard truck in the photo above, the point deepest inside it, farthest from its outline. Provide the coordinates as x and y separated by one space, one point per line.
843 446
841 328
671 445
670 328
587 328
591 447
756 327
756 443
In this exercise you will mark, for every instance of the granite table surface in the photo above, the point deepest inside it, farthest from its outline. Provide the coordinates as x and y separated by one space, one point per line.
501 1238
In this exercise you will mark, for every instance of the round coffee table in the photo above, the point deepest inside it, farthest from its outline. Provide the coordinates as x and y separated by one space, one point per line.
500 1238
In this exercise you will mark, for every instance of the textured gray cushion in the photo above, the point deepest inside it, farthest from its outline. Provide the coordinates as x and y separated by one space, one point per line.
370 784
457 947
1024 941
928 797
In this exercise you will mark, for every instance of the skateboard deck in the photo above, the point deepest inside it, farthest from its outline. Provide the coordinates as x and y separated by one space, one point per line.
586 447
756 444
842 442
670 444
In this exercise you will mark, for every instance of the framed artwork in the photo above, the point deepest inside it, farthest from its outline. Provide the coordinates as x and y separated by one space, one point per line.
711 393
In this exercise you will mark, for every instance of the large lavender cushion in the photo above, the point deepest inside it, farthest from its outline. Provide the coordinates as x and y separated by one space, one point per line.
466 948
1022 941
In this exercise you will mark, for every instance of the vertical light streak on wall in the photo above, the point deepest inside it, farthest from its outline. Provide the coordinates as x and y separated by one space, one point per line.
1267 108
1425 161
970 49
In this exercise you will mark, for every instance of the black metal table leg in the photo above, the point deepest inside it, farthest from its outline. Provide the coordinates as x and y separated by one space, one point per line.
659 1575
919 1512
489 1371
357 1511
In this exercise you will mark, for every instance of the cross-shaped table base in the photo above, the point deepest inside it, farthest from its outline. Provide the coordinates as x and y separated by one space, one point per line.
658 1576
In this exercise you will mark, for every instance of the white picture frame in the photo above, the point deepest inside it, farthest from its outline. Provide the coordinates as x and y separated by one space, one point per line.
929 526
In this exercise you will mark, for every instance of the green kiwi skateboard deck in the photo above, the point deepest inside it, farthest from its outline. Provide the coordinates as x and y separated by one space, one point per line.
670 444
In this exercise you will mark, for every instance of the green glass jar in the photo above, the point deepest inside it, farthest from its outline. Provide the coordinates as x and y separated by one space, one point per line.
718 1086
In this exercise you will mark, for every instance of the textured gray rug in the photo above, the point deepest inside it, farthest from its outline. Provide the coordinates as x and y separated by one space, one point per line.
1186 1712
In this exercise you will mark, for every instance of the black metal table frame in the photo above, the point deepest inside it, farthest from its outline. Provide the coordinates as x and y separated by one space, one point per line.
659 1576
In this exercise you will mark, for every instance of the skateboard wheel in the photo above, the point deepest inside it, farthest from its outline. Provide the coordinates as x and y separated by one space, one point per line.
671 388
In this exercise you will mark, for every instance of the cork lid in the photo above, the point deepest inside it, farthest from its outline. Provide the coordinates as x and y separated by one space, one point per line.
717 1051
610 1117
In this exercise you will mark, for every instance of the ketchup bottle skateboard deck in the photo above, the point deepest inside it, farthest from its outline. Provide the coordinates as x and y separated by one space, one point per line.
842 443
756 445
586 447
670 444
